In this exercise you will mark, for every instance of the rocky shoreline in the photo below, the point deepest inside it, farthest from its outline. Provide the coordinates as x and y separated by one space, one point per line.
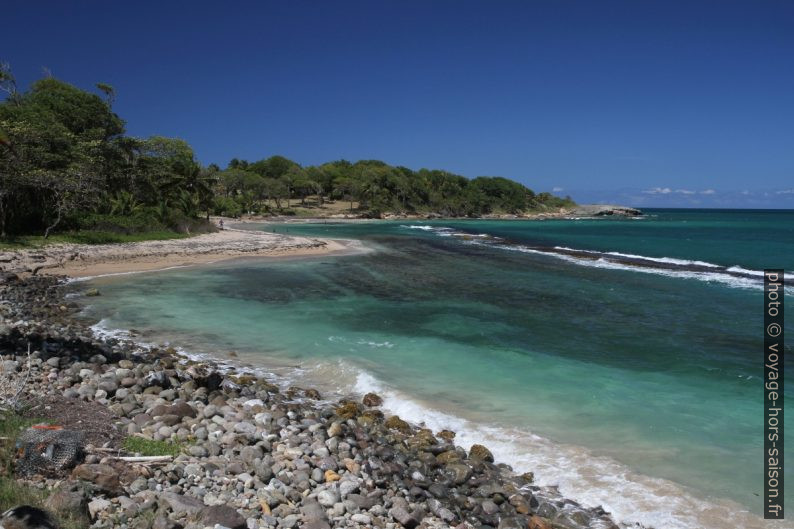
247 454
94 259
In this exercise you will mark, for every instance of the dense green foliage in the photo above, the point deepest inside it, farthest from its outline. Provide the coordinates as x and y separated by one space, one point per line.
66 164
375 186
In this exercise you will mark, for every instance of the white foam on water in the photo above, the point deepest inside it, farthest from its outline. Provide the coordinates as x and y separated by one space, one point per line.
758 273
712 277
131 272
103 332
418 227
667 260
465 235
444 231
388 345
604 262
631 497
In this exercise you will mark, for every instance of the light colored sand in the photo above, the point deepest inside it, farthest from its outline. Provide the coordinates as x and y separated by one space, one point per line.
81 260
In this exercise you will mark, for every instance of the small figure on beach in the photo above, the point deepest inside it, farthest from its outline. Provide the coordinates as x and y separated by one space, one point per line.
220 223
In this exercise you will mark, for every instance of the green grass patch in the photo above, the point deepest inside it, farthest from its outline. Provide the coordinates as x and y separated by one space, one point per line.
86 237
148 447
13 494
11 425
107 237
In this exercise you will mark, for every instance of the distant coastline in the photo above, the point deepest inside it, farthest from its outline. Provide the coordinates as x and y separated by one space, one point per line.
88 260
584 210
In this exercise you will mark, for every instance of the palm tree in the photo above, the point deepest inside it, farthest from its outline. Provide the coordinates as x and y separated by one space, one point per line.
190 177
124 203
369 190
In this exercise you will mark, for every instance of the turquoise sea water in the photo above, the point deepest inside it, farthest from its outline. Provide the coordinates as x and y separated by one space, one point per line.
617 358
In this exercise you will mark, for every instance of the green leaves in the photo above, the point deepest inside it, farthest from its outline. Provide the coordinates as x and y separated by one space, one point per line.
124 203
64 156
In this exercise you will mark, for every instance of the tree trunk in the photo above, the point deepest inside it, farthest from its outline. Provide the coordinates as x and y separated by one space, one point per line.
3 217
53 225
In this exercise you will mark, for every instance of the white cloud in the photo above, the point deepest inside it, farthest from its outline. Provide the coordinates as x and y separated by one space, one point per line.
658 191
745 192
707 192
785 192
685 191
557 189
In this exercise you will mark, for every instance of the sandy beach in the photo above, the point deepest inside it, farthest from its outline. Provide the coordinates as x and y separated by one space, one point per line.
83 260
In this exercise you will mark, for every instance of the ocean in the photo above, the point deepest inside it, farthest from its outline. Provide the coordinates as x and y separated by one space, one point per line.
618 358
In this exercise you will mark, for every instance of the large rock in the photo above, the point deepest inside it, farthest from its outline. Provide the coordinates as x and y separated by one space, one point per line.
312 513
328 497
407 519
448 457
372 400
347 409
458 473
480 453
182 504
180 409
68 498
96 506
335 429
222 515
571 520
105 477
250 453
602 210
364 503
156 378
395 423
536 522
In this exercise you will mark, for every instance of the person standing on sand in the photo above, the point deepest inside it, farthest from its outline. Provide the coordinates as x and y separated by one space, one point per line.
220 223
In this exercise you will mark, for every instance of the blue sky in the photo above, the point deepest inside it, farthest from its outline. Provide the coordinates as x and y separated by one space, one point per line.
665 103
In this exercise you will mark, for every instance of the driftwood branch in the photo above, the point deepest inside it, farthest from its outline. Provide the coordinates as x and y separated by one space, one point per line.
144 459
10 391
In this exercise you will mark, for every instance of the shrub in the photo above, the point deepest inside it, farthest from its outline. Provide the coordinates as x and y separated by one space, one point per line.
138 222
